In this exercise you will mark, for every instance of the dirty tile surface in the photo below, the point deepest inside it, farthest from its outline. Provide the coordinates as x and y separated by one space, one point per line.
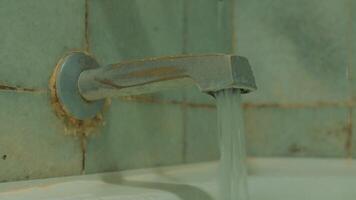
352 53
301 54
34 35
33 143
310 132
298 49
134 30
137 135
124 30
353 133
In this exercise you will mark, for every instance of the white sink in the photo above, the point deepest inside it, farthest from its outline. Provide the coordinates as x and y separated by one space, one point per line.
269 179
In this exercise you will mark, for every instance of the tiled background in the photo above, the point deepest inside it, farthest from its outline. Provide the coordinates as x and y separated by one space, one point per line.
302 53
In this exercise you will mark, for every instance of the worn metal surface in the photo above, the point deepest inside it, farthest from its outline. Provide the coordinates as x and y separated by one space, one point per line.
209 72
81 85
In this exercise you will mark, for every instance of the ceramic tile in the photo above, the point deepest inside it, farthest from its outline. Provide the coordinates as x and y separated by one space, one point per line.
298 49
310 132
201 139
34 35
136 29
137 135
207 29
123 30
352 43
33 143
352 129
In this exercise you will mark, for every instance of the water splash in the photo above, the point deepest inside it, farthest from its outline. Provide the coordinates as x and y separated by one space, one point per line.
233 173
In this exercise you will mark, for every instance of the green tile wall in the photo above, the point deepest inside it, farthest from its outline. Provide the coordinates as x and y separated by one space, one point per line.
201 134
299 49
33 36
352 128
352 53
307 132
33 143
136 134
302 56
302 59
301 53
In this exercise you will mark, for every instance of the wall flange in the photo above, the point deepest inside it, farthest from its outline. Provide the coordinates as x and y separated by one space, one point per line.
66 77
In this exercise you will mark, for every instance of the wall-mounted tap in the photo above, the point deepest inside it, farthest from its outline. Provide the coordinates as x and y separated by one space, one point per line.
81 85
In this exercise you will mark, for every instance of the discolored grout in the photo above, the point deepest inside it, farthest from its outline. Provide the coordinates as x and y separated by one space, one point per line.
83 136
326 104
86 26
349 134
349 127
83 148
5 87
319 104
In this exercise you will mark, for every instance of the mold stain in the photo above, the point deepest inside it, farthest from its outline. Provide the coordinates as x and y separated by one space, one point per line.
296 149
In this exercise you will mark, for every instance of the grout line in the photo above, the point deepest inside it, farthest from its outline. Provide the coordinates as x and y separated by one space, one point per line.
348 143
320 104
5 87
83 148
184 51
146 99
86 27
349 128
184 137
83 138
185 27
234 20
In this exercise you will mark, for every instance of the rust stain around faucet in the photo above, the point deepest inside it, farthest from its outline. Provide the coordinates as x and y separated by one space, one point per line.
73 126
